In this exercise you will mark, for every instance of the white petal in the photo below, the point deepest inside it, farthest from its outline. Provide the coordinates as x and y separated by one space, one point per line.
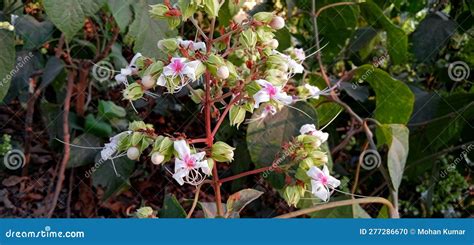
307 128
314 173
319 190
178 164
260 97
182 148
333 182
284 98
199 46
322 136
326 170
204 167
121 78
180 174
263 83
161 80
313 90
126 71
199 156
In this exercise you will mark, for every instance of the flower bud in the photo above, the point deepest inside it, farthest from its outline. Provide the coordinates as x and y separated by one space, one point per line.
277 23
197 95
133 153
144 212
148 82
157 158
222 152
248 39
212 7
273 43
223 72
237 115
133 92
293 194
168 45
158 10
264 17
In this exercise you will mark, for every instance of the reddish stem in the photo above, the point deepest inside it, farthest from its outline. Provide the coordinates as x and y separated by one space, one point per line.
251 172
223 115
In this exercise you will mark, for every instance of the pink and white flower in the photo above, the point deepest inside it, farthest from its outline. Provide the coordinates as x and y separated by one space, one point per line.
128 71
322 182
188 167
270 92
179 68
311 130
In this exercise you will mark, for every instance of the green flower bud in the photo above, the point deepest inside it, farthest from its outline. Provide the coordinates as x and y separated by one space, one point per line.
133 153
133 92
214 62
139 125
222 152
248 39
158 11
173 22
237 115
212 7
187 8
264 36
293 194
144 212
197 95
264 17
169 45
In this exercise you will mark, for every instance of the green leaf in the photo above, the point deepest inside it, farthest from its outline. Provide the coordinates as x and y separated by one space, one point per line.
171 208
397 40
52 69
147 38
122 12
283 36
80 156
394 99
333 19
69 15
432 35
7 61
209 209
97 127
349 211
33 32
103 175
396 137
237 201
109 109
265 138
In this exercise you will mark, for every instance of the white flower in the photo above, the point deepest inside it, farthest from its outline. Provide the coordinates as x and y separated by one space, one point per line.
179 68
294 67
129 70
321 182
194 46
110 148
311 130
270 92
300 55
313 91
187 165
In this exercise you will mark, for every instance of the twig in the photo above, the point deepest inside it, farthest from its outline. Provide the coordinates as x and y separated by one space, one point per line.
69 196
251 172
393 213
67 139
196 198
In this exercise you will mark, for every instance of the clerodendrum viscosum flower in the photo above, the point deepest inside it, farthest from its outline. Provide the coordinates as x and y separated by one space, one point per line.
188 166
270 92
110 148
321 182
129 70
179 73
311 130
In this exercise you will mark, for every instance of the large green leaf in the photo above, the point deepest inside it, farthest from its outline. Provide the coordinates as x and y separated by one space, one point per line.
171 208
147 31
81 156
103 175
396 137
69 15
397 40
122 12
333 19
7 61
33 32
394 99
